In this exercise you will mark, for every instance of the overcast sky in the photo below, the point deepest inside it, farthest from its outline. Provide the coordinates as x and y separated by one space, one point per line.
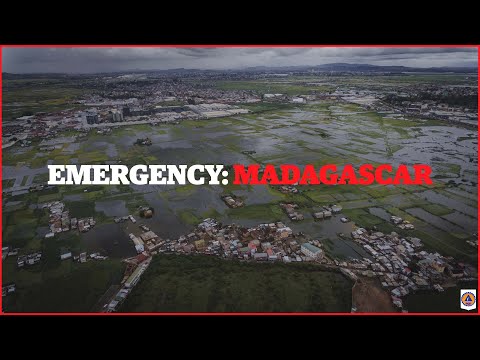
91 60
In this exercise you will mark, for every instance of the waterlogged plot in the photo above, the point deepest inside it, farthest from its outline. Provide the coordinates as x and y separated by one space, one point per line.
305 119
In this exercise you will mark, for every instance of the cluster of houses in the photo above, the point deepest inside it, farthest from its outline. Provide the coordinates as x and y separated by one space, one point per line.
327 212
391 259
287 189
473 243
136 267
265 242
6 251
82 257
29 260
8 289
390 256
146 241
41 187
60 220
232 201
401 224
124 218
290 210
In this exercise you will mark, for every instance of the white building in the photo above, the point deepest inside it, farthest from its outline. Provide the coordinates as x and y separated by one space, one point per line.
298 100
65 256
311 251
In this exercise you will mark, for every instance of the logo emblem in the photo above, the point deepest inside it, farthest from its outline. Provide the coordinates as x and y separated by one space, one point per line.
468 299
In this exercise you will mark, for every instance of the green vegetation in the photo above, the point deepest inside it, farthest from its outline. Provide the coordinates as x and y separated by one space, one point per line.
319 133
49 198
7 183
80 209
68 287
188 217
20 226
49 95
436 209
257 211
262 87
362 217
208 284
448 244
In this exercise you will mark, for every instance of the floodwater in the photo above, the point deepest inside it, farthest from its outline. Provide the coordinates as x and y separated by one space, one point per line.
434 220
449 202
109 148
42 231
433 301
112 207
110 240
257 194
165 223
339 134
379 212
73 197
464 221
343 248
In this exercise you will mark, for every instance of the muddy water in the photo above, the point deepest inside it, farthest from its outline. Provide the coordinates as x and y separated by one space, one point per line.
449 202
112 207
437 221
110 240
379 212
466 222
289 138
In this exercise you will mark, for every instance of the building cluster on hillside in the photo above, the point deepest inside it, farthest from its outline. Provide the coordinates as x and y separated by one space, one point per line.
60 220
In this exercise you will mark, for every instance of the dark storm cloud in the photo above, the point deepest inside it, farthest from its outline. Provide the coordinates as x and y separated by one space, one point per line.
88 60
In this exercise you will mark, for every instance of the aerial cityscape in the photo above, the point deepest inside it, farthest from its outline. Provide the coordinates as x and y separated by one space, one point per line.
239 248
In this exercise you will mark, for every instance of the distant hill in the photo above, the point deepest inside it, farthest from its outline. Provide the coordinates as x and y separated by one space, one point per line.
325 68
346 67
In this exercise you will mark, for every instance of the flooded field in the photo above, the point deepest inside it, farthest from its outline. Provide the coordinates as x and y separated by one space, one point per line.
112 207
319 133
109 239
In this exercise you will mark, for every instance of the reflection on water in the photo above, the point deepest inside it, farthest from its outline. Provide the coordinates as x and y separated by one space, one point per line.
112 207
437 198
109 239
432 301
434 220
379 212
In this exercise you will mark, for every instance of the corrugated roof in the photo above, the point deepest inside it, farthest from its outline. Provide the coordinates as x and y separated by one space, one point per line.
311 247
